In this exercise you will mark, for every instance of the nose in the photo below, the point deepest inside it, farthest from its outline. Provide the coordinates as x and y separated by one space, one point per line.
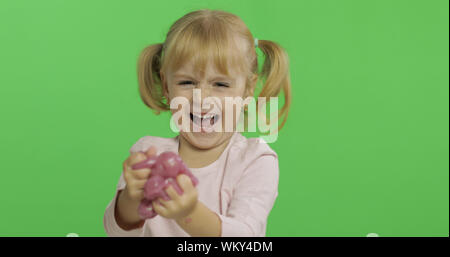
199 98
205 90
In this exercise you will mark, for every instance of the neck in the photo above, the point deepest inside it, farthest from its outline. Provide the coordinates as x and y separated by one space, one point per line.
197 158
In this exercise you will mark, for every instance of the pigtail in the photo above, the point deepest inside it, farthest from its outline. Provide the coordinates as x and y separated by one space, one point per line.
275 73
150 88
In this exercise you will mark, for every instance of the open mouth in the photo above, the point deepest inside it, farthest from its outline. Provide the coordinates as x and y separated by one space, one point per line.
205 120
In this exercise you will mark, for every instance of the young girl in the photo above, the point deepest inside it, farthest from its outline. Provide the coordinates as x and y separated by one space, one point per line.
212 51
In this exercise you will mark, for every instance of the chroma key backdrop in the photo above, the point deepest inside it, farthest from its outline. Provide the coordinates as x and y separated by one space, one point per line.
364 151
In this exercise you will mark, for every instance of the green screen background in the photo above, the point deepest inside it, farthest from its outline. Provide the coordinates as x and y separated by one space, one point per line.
365 148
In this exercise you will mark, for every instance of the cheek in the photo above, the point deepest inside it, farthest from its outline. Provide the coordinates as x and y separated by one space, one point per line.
183 94
235 95
231 108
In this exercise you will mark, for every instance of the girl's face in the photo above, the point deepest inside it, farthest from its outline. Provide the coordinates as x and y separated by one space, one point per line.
182 83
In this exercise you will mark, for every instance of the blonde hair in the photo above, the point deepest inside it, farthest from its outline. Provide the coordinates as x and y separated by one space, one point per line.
204 35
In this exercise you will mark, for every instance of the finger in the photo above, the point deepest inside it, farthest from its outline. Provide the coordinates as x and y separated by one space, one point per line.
185 182
169 205
172 193
136 157
136 193
141 173
151 151
138 174
125 165
139 184
127 171
160 209
164 203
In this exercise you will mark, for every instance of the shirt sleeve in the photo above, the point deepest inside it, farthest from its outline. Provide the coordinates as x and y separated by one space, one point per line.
109 221
253 198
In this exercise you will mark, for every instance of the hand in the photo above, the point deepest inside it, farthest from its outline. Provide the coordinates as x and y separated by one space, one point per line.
135 179
181 205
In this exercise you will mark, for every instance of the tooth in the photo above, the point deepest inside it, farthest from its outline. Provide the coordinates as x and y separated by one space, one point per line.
205 116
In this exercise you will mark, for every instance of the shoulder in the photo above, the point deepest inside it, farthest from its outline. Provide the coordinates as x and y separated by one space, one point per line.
161 144
252 147
247 151
254 166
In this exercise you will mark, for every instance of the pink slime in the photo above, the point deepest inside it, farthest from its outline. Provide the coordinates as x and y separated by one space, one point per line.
164 170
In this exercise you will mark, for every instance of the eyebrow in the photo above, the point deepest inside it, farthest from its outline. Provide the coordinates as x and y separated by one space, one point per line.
181 75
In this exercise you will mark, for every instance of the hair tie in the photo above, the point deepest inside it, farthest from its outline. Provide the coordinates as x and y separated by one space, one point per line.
256 42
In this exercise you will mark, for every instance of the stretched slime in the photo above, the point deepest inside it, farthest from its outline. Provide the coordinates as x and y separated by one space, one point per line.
164 170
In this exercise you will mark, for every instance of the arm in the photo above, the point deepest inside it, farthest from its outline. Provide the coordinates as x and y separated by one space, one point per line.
252 199
126 213
187 211
201 222
121 215
113 224
254 196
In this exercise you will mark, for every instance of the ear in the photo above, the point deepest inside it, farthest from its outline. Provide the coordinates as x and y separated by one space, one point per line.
251 87
164 85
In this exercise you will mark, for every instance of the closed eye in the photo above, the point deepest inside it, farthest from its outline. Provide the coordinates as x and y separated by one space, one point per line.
184 82
222 84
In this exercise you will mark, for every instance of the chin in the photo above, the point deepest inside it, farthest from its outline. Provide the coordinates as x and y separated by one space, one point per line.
205 141
202 139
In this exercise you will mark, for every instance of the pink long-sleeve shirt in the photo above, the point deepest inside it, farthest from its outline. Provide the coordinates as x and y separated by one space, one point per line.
240 187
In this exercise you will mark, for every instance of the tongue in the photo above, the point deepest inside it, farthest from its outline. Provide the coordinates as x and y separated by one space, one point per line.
203 123
197 120
209 121
206 123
